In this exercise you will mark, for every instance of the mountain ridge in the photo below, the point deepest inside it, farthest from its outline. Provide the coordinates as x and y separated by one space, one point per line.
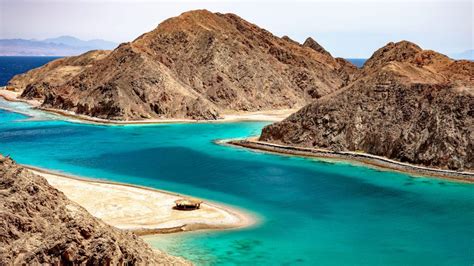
193 66
406 103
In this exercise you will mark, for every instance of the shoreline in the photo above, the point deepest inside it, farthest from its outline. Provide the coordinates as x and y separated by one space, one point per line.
258 116
363 158
144 210
267 115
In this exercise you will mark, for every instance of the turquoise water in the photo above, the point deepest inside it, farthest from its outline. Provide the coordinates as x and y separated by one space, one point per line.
311 212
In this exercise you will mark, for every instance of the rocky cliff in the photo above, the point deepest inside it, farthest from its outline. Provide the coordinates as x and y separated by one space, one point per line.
406 103
197 65
39 225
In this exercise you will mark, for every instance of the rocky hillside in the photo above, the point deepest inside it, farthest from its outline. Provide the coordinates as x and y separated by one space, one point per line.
37 82
39 225
197 65
407 104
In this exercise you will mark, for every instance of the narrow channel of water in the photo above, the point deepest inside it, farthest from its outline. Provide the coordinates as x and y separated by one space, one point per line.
312 212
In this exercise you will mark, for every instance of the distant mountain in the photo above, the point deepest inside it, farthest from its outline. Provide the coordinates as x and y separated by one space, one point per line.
468 55
75 42
61 46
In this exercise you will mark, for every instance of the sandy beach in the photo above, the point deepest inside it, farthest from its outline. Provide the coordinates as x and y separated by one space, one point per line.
14 96
267 115
358 157
143 210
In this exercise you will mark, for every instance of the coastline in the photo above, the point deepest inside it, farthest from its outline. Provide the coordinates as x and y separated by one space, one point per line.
269 115
228 116
143 210
251 143
363 158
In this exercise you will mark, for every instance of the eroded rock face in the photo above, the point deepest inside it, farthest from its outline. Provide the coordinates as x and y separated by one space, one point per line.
39 225
311 43
196 66
407 104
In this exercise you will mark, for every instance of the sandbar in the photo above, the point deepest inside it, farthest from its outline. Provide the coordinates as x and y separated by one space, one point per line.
143 210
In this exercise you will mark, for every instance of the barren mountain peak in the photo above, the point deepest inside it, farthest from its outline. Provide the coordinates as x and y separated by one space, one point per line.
401 51
394 108
311 43
194 19
196 65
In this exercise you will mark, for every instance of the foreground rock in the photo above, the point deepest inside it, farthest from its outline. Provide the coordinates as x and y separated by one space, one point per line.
39 225
407 104
194 66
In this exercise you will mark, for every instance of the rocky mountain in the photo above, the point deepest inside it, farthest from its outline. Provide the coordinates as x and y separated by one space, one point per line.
40 226
37 82
60 46
198 65
406 104
311 43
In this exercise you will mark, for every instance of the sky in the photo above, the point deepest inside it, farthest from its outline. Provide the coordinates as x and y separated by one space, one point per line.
350 29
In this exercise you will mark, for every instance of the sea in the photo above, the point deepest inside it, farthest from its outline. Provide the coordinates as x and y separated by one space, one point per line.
12 65
309 211
358 62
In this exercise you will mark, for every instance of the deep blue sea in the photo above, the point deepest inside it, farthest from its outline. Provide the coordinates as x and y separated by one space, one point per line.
312 212
358 62
12 65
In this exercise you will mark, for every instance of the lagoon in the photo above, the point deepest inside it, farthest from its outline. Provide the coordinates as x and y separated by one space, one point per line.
310 211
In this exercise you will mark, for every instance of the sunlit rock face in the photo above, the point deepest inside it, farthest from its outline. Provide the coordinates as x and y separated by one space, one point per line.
195 66
406 103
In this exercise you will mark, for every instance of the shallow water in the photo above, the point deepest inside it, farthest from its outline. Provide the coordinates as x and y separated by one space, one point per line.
311 212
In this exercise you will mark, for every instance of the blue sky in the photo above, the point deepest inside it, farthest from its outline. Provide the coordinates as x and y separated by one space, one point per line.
345 28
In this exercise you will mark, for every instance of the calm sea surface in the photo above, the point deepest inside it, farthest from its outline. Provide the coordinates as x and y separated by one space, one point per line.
12 65
358 62
311 212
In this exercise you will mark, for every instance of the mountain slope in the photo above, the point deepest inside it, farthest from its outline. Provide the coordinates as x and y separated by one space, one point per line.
37 82
39 225
406 104
197 65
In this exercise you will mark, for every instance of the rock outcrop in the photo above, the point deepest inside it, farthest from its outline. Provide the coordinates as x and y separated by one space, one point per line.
196 66
311 43
406 104
39 225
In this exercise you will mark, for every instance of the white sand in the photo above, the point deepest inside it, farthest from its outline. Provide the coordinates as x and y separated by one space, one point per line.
141 209
14 96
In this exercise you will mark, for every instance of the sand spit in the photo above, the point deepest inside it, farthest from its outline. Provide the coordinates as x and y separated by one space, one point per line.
143 210
368 159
